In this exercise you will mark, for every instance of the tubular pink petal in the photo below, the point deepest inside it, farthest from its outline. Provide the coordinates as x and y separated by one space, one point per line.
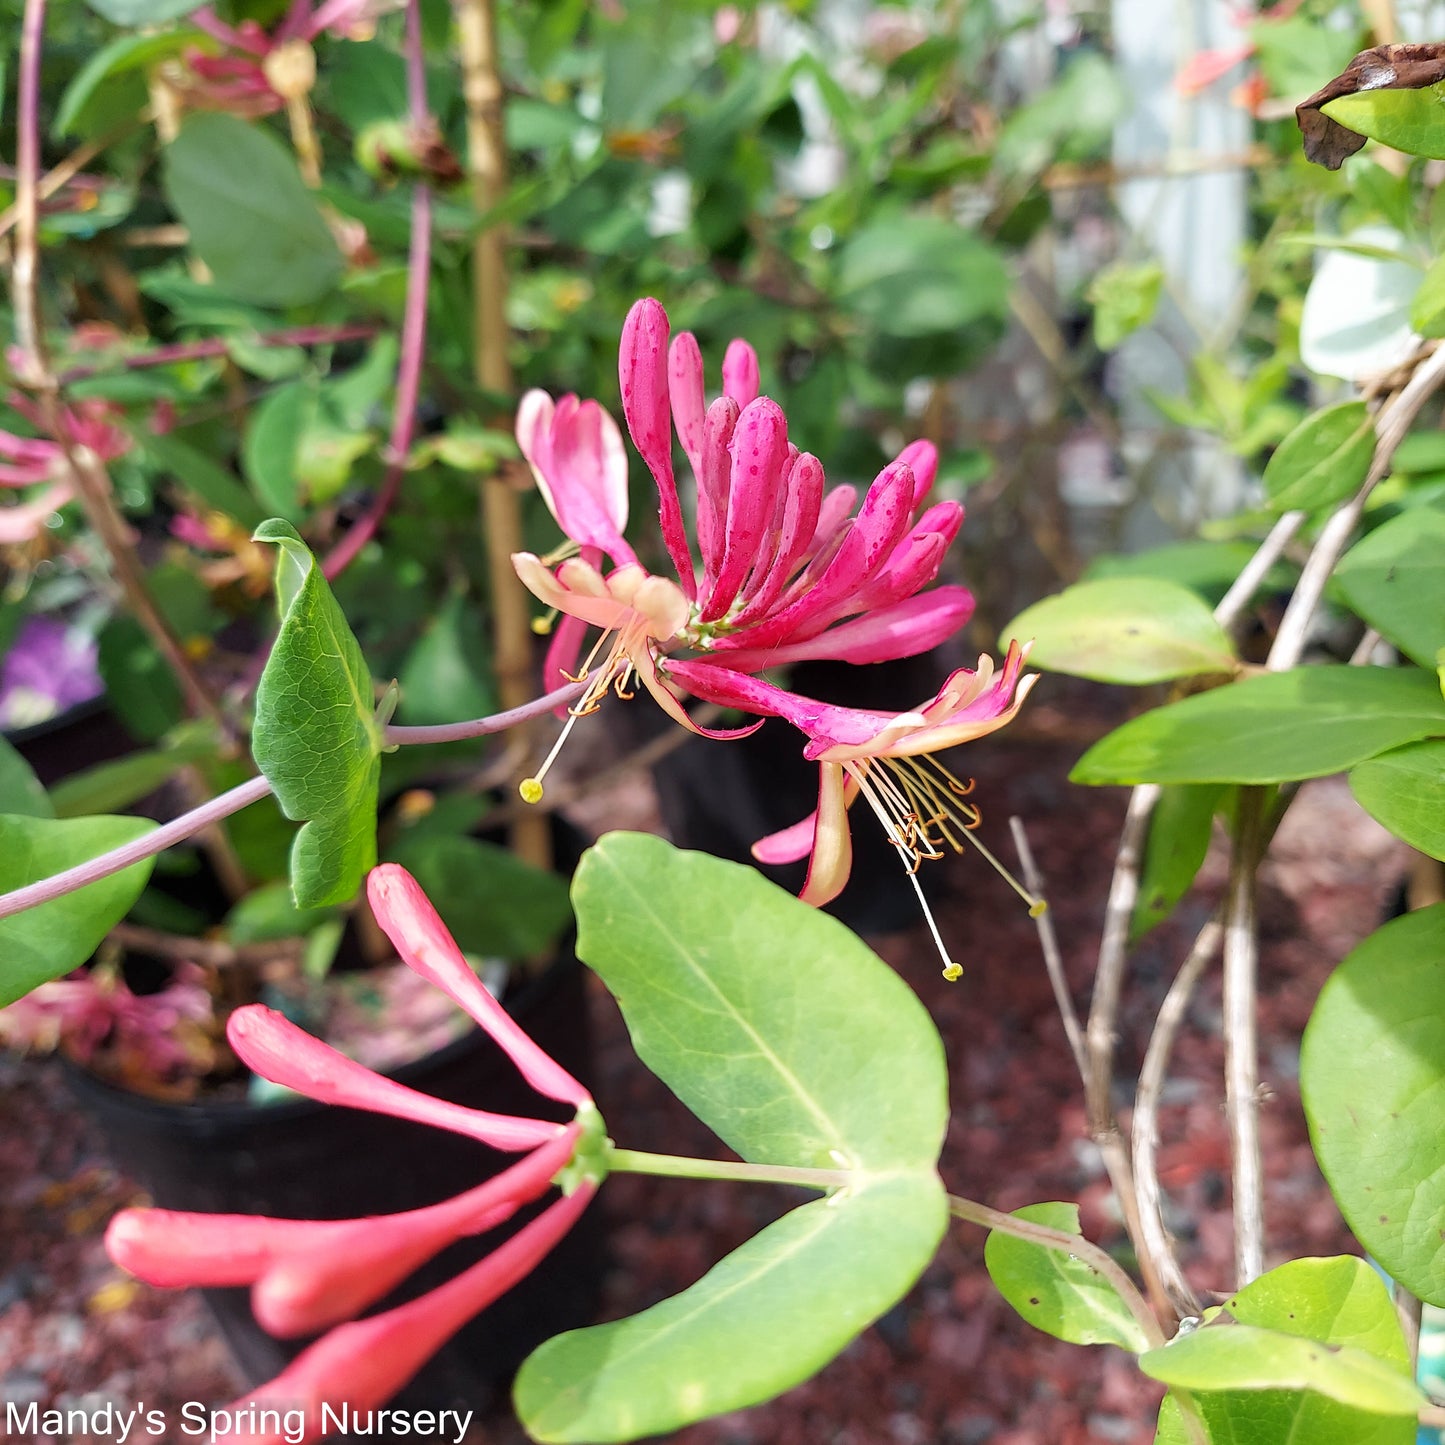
277 1050
836 508
421 938
905 629
21 523
832 858
759 455
576 455
685 391
577 588
642 374
364 1364
787 845
869 541
174 1250
349 1265
921 457
740 372
712 488
668 702
803 498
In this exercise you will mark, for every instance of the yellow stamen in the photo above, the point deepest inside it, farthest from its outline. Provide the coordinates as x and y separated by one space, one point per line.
543 625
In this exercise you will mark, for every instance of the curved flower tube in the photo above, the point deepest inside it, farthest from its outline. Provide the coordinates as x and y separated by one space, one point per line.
313 1275
31 461
784 569
885 758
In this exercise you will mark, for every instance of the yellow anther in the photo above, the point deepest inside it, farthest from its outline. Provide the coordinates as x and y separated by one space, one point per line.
543 625
953 972
1037 910
531 790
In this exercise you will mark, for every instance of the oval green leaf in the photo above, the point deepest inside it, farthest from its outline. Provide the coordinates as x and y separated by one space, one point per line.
20 790
1405 790
316 738
1056 1292
1372 1077
735 993
1395 580
1179 833
1412 121
1323 460
45 942
250 217
1243 1357
1131 630
1271 728
764 1319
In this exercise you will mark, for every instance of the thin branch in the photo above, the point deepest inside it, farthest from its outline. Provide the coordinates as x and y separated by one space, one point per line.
1076 1245
214 346
1049 943
209 952
1234 602
1391 425
24 275
1241 1041
1408 1310
156 841
1145 1125
252 790
413 327
481 727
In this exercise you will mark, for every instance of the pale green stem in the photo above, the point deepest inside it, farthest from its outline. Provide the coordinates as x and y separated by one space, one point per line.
675 1166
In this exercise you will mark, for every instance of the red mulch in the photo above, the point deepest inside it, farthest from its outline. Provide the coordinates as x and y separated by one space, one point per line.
950 1365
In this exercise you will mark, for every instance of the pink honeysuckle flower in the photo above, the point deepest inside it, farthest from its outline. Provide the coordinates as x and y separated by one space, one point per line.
785 570
887 759
312 1275
32 461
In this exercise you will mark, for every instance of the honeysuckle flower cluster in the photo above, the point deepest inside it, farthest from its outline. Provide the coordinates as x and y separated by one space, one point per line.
41 460
308 1276
784 569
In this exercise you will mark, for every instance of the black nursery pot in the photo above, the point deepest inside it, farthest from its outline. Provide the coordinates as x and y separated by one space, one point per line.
303 1160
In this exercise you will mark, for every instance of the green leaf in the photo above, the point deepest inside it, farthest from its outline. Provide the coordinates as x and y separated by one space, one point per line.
139 684
45 942
1271 728
1310 1351
267 913
1395 579
797 1045
1412 121
765 998
316 737
1124 297
445 677
251 219
21 792
495 905
1405 790
1427 310
1056 1292
108 787
921 276
1323 460
1372 1077
272 443
206 479
124 54
1124 629
142 12
764 1319
1179 834
1208 568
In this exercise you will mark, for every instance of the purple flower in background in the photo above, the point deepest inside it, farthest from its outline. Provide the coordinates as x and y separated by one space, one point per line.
50 668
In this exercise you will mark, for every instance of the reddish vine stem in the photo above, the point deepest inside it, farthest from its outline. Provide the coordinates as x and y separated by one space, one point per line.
251 791
413 326
216 346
